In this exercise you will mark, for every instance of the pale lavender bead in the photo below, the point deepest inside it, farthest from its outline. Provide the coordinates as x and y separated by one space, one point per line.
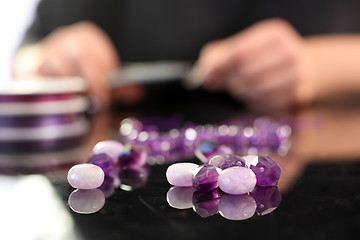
86 201
85 176
237 180
180 174
110 147
237 207
180 197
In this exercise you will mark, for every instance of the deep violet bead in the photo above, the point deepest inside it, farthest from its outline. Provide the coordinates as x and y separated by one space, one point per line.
133 156
206 179
104 161
266 170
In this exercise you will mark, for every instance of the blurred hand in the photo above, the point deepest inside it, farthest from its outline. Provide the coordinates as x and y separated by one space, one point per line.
261 65
83 50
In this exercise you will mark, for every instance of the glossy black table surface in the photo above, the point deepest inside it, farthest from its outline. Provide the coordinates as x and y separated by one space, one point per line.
319 185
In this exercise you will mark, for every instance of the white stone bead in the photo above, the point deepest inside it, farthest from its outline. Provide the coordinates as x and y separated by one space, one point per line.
237 180
86 201
85 176
110 147
179 174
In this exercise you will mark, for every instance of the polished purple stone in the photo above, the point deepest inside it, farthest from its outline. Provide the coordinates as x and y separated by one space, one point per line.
208 149
267 199
133 156
108 183
225 161
104 161
267 171
107 187
206 179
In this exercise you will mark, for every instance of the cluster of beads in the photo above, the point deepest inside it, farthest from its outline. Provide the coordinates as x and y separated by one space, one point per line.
239 136
230 173
106 155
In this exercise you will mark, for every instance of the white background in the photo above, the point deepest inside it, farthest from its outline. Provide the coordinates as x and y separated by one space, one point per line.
15 17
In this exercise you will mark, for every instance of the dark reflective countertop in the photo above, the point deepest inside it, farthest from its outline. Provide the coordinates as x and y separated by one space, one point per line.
319 184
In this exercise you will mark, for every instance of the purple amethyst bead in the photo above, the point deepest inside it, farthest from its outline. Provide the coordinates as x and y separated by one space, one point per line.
225 161
267 199
208 149
206 179
107 187
104 161
267 171
133 156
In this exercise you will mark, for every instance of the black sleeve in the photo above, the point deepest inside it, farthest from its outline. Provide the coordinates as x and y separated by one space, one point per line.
51 14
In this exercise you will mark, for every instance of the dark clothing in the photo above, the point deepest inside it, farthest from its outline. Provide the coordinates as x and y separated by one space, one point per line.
144 30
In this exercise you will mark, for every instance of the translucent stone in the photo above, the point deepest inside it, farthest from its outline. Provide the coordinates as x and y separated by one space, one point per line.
110 147
180 197
224 161
86 201
85 176
208 149
206 179
133 156
237 180
104 161
237 207
180 174
267 199
267 171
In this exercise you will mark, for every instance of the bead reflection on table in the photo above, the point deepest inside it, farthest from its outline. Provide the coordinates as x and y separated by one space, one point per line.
180 197
237 207
86 201
206 204
262 200
133 178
